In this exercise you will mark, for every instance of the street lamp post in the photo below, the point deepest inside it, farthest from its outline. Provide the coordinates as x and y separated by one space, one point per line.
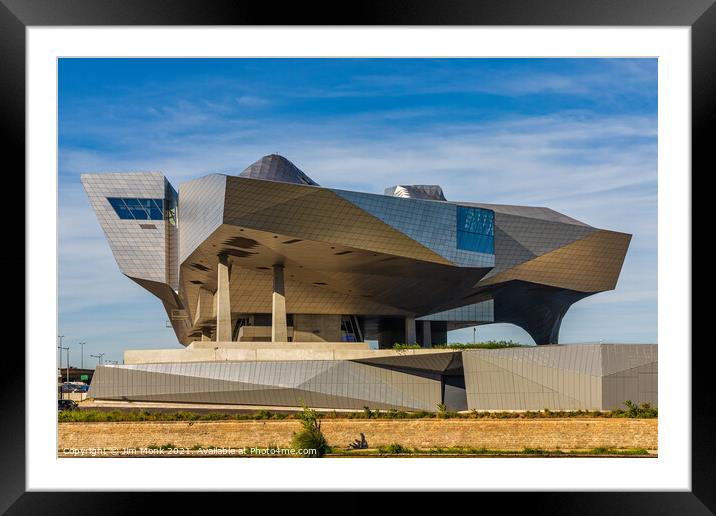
82 354
474 335
60 348
68 364
98 356
59 352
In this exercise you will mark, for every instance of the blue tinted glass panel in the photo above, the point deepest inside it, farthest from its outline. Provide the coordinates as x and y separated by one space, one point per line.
476 230
116 202
123 212
129 208
139 213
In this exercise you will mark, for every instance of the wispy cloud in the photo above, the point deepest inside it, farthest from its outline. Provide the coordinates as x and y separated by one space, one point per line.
595 165
252 101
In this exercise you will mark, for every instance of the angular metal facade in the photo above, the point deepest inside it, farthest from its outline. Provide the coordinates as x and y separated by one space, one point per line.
319 383
576 377
379 259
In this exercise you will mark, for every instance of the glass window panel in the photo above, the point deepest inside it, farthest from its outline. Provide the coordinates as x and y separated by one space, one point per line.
139 209
475 229
123 212
116 202
139 213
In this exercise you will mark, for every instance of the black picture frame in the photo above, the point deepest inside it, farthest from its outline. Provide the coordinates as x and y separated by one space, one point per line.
700 15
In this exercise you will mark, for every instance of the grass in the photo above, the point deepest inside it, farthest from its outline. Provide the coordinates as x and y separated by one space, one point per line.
398 449
644 411
89 416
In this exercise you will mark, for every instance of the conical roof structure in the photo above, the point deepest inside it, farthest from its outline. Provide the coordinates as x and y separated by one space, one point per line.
275 167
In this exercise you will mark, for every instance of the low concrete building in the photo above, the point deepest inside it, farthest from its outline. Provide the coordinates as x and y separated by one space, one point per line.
558 377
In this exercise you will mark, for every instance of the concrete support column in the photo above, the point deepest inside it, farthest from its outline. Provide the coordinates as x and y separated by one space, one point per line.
223 301
427 335
410 330
279 330
205 334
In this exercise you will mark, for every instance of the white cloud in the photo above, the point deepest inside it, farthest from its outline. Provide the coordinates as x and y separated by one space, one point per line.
253 101
600 169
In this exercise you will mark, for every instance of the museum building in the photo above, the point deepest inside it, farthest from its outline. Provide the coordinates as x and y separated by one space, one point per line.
274 285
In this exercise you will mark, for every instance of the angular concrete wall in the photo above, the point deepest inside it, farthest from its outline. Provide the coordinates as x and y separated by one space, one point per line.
319 383
576 377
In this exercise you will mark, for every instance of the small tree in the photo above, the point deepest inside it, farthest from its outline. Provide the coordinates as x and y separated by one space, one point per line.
310 436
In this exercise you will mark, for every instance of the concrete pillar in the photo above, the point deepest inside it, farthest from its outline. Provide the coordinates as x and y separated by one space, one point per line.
279 331
223 301
205 334
410 330
427 335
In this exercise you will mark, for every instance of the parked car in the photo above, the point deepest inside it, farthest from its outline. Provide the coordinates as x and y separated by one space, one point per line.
66 405
74 387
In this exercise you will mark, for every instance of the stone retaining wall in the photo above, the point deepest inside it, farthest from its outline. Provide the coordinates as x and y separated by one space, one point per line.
505 434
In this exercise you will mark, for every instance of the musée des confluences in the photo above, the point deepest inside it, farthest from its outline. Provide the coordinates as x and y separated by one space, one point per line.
274 284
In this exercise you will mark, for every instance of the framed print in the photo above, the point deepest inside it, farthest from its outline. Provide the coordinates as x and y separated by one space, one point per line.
436 247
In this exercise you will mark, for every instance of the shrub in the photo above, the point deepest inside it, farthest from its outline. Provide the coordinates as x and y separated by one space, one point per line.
645 410
540 451
310 435
393 449
442 410
398 345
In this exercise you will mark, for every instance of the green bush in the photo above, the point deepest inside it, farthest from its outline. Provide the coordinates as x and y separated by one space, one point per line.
310 436
442 410
643 411
398 345
393 449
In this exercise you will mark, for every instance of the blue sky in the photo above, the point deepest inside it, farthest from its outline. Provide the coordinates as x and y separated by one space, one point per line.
577 135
